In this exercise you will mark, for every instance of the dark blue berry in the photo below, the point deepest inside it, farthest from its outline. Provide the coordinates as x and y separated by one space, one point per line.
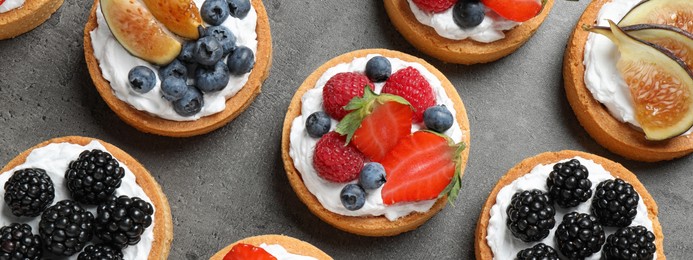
239 8
468 14
190 104
372 176
224 36
142 79
353 197
210 79
173 88
208 51
187 53
241 61
378 69
318 124
438 118
174 69
214 12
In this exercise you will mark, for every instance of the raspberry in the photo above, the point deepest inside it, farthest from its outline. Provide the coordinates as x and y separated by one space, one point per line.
412 86
340 89
434 6
335 161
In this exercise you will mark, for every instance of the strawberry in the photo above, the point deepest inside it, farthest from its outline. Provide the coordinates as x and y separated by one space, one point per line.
340 89
336 161
412 86
515 10
2 1
248 252
434 6
376 123
423 166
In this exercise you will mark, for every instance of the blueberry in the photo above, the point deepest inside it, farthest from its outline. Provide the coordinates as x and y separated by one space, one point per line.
187 52
210 79
438 118
372 176
224 36
318 124
142 79
239 8
173 88
190 104
353 197
214 12
241 61
468 14
174 69
378 69
208 51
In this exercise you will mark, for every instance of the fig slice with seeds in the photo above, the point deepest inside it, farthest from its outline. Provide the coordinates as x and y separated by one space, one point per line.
678 13
181 17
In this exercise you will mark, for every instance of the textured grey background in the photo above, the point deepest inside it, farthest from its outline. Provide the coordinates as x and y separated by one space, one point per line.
230 184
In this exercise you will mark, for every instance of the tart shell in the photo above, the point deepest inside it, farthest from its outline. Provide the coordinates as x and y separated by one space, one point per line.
468 51
367 225
148 123
483 251
163 224
618 137
26 17
291 245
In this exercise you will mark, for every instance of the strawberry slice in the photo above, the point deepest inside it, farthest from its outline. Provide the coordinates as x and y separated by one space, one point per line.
376 123
515 10
423 166
248 252
2 1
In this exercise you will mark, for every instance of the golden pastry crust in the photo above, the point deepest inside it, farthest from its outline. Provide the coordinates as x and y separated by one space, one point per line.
617 137
151 124
369 225
163 224
26 17
427 40
291 245
483 251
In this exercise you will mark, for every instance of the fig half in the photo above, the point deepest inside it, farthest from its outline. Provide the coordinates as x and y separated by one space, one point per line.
677 13
661 86
180 16
139 33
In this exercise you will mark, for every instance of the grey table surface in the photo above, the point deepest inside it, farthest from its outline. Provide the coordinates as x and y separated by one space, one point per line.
231 184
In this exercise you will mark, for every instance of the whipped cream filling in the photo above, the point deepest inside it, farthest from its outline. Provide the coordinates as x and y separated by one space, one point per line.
501 240
10 5
54 159
602 77
280 253
302 145
490 30
115 63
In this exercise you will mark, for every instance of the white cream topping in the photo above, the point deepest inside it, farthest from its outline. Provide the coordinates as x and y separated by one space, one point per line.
490 30
502 242
280 253
54 159
302 145
10 4
115 63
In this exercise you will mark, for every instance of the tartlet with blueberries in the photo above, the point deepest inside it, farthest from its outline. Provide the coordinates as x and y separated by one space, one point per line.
270 247
178 68
20 16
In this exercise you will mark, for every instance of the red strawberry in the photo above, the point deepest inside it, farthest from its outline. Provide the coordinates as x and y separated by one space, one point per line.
435 6
340 89
409 84
2 1
515 10
421 167
335 160
248 252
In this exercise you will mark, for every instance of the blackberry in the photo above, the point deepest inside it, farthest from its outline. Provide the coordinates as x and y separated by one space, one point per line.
93 177
615 203
630 243
65 228
17 242
100 252
531 215
28 192
568 184
120 221
579 235
538 252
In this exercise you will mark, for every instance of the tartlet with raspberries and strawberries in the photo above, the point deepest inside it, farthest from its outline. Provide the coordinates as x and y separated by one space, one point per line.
170 68
569 205
375 142
20 16
270 247
82 198
467 31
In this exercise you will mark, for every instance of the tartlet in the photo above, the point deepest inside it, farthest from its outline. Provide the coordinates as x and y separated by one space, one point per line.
26 17
291 244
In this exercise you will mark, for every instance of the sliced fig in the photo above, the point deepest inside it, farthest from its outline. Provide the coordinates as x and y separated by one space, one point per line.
661 86
181 17
678 13
139 32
